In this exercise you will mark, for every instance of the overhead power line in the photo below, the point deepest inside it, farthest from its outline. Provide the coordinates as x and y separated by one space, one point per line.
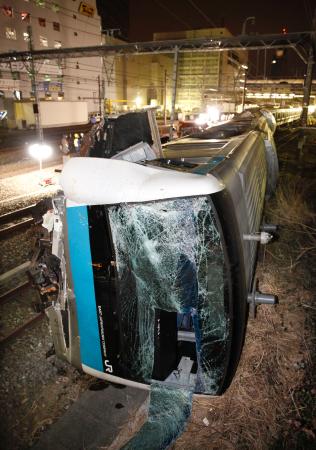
175 16
308 12
202 13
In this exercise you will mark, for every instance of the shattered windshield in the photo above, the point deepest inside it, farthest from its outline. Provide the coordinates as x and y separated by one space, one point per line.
170 293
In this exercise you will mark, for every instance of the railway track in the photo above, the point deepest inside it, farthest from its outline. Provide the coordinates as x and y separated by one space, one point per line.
8 224
22 219
16 294
20 329
18 299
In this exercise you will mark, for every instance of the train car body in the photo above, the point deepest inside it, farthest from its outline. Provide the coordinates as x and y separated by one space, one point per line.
157 250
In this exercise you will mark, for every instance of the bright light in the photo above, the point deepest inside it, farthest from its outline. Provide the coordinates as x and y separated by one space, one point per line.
244 66
202 119
138 101
213 114
274 61
40 152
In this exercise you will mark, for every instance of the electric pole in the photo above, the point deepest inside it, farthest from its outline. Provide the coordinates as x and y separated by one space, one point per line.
100 99
174 90
36 104
165 98
244 90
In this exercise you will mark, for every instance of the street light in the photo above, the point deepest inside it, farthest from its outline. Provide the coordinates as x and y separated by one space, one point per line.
138 101
40 152
244 25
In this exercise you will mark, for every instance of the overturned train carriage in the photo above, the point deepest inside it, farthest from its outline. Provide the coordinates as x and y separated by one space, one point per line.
157 250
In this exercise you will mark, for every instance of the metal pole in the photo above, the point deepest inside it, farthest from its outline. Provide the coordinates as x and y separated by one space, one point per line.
257 65
103 97
102 74
124 81
165 98
265 64
99 93
307 87
36 104
174 90
244 91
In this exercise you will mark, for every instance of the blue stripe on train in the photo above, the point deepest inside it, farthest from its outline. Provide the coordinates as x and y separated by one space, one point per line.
82 274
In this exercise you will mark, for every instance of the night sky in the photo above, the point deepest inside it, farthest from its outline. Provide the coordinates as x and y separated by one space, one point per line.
149 16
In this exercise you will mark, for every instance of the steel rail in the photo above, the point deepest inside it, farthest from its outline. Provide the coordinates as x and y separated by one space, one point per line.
7 295
14 215
21 328
6 218
6 276
5 232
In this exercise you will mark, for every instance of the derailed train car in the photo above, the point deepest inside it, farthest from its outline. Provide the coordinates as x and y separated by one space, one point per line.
156 250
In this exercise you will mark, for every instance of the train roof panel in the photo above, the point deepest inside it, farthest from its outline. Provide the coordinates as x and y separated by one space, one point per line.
96 181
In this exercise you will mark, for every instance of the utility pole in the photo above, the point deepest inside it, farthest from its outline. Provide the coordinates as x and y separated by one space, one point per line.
36 104
309 76
174 90
307 87
165 98
244 89
103 97
99 94
265 65
124 80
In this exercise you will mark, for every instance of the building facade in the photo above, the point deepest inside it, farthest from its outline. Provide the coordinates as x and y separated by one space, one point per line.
111 83
48 24
207 78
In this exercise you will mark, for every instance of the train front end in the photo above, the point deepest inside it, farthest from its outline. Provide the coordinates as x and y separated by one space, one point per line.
155 267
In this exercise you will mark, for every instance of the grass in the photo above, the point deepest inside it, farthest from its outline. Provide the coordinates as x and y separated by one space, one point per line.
271 402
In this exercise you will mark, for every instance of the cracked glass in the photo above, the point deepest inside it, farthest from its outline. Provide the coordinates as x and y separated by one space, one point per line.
170 293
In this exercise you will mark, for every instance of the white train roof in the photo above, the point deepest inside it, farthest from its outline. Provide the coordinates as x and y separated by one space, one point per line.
98 181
